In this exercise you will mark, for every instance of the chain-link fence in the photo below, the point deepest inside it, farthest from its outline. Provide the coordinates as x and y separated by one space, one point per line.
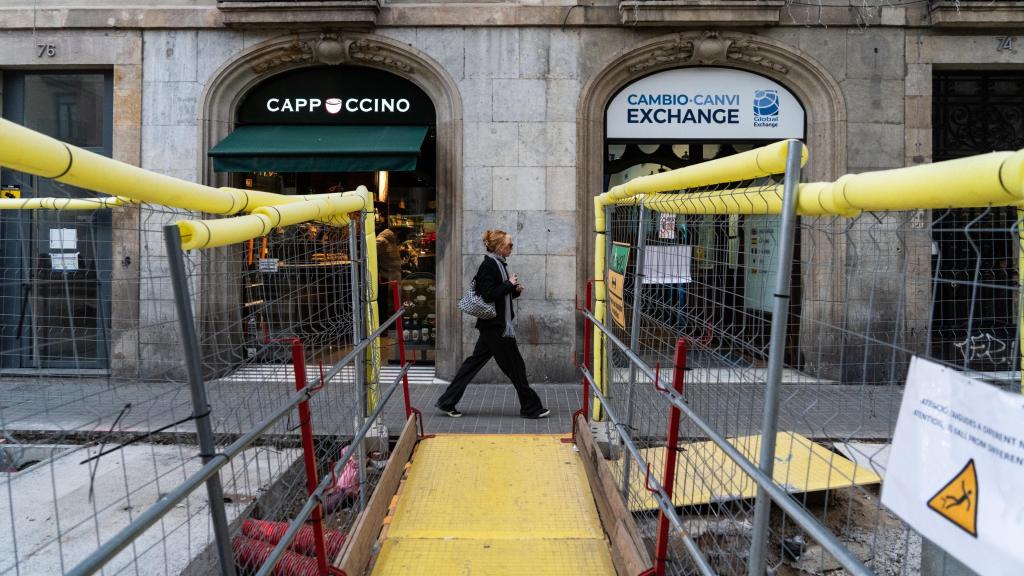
155 353
787 316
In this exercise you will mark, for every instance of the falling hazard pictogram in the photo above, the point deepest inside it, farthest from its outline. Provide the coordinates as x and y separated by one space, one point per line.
957 501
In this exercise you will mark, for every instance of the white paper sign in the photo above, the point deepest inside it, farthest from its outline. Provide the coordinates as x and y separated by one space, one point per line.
66 261
268 264
667 264
63 239
957 467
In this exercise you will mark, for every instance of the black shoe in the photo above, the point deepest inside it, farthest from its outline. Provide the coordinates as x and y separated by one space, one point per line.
543 413
452 412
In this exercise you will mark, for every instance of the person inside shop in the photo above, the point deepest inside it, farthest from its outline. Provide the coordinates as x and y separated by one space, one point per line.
389 257
389 266
497 337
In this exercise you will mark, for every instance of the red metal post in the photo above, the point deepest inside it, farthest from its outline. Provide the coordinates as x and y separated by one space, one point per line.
309 454
671 451
396 295
588 356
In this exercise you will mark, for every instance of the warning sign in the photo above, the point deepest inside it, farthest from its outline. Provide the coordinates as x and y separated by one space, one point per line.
617 309
957 501
10 193
956 439
617 282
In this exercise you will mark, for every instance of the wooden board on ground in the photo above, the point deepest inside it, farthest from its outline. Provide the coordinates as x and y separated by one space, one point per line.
356 553
629 554
705 474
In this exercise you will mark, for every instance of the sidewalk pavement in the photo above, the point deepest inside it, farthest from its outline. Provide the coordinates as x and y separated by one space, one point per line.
68 407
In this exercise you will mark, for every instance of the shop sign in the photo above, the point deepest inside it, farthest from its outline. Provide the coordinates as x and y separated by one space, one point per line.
957 465
705 103
337 95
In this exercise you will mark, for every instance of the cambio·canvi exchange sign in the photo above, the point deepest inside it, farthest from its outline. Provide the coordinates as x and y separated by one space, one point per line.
705 103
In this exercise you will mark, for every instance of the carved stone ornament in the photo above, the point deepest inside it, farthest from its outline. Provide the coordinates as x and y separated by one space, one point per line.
710 49
680 51
295 53
707 49
367 51
330 50
333 49
744 51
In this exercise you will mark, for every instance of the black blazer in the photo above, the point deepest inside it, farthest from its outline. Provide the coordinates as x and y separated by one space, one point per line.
492 288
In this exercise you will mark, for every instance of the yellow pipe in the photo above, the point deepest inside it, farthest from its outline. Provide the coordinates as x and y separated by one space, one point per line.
61 203
29 151
373 316
600 295
34 153
764 200
1020 292
756 163
330 208
212 233
986 180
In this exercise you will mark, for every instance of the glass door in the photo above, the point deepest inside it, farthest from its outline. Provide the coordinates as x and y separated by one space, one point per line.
56 265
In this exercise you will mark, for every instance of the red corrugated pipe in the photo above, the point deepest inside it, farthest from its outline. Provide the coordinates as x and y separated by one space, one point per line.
250 554
304 542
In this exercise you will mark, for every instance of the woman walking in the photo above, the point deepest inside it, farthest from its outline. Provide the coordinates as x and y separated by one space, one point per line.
497 336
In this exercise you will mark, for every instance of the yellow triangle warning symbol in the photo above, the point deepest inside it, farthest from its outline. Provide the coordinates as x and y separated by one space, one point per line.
957 501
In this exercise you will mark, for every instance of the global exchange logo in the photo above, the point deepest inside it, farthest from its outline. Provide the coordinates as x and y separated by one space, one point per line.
766 108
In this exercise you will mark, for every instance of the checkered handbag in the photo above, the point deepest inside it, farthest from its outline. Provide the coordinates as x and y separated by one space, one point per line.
471 303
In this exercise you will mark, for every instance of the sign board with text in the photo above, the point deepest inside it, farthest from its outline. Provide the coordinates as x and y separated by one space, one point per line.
336 95
957 466
705 102
617 282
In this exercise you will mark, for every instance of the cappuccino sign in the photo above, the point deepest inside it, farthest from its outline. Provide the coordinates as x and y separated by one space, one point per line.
337 95
705 103
336 105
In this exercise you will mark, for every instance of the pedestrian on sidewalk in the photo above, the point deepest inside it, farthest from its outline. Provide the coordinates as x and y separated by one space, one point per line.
497 337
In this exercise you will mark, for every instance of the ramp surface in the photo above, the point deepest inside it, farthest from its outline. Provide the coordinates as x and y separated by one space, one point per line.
705 474
495 504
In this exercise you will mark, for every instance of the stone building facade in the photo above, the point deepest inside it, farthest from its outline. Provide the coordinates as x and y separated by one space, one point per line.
520 90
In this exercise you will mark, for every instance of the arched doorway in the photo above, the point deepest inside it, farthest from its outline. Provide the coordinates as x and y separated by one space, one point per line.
324 129
792 70
225 96
684 116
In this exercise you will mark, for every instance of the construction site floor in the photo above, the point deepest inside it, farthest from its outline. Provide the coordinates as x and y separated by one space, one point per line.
494 504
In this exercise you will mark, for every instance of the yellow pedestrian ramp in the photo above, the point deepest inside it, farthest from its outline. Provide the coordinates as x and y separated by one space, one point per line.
494 505
705 473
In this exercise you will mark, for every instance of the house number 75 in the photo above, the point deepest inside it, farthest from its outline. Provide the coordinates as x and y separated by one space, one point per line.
48 50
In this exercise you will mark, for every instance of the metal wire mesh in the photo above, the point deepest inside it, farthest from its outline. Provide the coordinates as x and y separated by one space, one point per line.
99 425
868 293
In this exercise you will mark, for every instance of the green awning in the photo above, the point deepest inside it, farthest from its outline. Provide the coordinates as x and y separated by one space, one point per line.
299 148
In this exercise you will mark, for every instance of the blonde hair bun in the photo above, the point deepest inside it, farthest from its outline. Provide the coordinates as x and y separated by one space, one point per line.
493 239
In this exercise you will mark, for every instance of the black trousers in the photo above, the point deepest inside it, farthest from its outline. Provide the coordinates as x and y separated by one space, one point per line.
506 353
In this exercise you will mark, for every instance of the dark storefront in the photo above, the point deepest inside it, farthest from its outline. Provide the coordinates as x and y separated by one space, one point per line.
332 129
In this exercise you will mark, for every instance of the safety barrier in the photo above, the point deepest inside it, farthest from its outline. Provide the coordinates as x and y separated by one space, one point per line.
751 335
241 353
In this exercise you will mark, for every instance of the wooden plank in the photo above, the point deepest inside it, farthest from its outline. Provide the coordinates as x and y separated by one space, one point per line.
356 553
629 554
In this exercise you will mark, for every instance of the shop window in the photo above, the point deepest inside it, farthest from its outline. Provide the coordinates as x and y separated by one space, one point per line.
69 107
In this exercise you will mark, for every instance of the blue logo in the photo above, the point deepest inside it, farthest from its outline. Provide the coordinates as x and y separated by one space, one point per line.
766 103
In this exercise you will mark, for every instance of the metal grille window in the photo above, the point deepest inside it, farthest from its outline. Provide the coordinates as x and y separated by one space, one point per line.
974 257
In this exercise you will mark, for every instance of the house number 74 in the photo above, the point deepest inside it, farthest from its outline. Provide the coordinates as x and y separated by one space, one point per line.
48 50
